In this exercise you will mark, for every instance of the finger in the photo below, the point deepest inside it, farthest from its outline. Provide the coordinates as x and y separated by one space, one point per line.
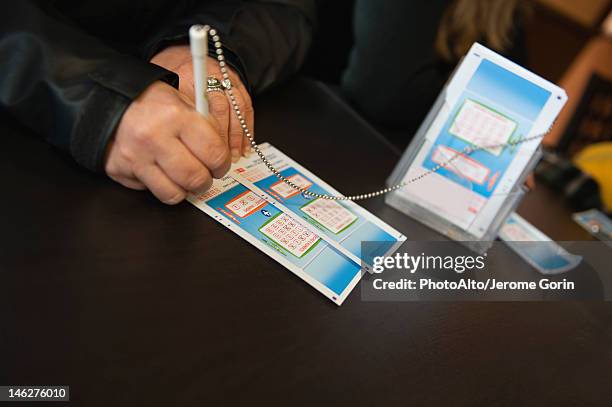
249 114
159 184
236 135
131 183
220 110
186 99
202 139
119 170
182 167
186 86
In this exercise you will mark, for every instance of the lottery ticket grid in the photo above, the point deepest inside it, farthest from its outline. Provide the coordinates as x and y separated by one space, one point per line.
329 214
517 232
255 174
479 124
245 204
281 162
286 191
462 165
290 235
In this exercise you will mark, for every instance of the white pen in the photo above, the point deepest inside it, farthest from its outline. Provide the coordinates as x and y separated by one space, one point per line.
198 40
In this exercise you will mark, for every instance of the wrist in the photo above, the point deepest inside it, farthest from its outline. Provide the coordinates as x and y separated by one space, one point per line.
172 57
177 53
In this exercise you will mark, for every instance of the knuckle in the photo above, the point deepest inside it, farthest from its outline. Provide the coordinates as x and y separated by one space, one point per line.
245 94
173 110
235 139
141 136
197 180
138 172
173 198
131 184
218 155
147 140
125 153
219 107
247 106
213 120
112 171
235 131
112 167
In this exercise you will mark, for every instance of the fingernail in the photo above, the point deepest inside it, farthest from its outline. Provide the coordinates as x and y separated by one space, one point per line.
247 151
235 155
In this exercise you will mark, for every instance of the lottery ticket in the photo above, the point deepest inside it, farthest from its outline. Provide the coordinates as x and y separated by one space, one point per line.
318 240
476 145
343 224
537 249
596 223
280 236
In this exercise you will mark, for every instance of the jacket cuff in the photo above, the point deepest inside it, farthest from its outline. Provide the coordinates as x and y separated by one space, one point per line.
178 35
231 58
111 94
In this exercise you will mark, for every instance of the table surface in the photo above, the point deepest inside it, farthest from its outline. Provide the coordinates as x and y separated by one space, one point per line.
131 302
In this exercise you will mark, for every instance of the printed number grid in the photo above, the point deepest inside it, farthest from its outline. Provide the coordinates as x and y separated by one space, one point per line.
290 235
329 214
286 191
245 204
480 125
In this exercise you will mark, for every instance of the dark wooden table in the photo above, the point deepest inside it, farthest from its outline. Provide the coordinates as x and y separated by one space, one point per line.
133 303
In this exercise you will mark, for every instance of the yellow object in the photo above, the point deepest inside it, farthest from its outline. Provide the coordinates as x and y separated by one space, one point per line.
596 160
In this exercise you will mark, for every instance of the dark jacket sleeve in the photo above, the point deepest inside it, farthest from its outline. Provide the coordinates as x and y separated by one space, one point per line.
65 85
72 89
265 41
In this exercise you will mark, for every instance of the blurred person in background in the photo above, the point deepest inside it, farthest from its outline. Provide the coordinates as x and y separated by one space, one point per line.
404 51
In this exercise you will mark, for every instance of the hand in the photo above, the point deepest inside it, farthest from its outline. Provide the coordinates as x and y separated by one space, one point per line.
164 145
178 59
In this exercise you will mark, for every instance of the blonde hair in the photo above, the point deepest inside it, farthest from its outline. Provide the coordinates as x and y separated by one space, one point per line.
467 21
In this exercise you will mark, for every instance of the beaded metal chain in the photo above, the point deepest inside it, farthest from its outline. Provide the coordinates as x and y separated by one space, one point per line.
228 88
